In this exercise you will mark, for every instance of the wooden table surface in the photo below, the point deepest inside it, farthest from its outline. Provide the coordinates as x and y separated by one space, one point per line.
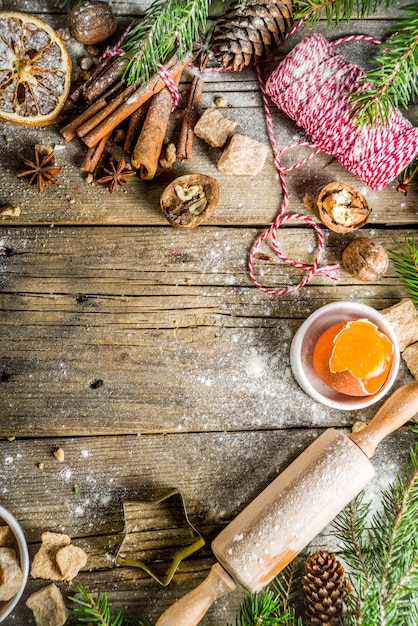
146 353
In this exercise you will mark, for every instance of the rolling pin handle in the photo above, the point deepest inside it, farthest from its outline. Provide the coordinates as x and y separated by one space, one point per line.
189 610
398 409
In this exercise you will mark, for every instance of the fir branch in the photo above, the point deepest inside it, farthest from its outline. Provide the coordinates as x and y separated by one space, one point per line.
350 526
388 595
394 80
95 610
405 261
337 10
167 24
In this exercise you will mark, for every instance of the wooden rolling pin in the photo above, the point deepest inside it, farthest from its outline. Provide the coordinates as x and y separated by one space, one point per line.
293 509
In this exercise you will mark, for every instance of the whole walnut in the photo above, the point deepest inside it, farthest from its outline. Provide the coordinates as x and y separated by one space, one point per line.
365 259
91 22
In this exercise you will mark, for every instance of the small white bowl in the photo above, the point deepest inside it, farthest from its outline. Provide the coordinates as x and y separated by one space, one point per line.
23 557
305 339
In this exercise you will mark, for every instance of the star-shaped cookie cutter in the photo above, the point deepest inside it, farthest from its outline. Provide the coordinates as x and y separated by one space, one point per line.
157 531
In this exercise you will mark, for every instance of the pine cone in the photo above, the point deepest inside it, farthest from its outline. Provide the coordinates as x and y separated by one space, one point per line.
251 32
326 588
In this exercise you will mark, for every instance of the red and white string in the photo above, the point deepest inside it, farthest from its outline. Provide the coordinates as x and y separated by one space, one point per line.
294 87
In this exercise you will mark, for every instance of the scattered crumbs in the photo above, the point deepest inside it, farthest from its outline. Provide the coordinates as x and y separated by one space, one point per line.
78 511
106 500
11 438
59 455
85 453
40 465
8 460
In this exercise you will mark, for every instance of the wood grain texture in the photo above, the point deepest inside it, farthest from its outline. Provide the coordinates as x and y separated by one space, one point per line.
146 353
208 470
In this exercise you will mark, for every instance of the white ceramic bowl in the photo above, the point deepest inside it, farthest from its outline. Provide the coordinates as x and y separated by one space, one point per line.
305 339
23 557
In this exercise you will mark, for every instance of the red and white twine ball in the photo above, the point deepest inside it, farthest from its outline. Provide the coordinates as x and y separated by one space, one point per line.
312 85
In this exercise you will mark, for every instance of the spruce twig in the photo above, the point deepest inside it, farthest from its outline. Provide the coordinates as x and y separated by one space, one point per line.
167 24
386 590
96 611
405 261
394 80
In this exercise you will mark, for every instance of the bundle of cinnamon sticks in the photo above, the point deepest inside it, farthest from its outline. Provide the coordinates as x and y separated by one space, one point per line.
146 110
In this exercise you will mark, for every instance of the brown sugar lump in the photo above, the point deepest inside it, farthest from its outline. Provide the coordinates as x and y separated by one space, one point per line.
70 559
243 156
44 563
214 128
48 606
403 317
10 574
410 356
7 537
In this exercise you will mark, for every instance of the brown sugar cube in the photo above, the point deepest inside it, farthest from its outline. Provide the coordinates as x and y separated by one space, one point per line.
403 317
7 537
48 606
59 454
70 559
243 156
10 574
44 563
410 355
214 128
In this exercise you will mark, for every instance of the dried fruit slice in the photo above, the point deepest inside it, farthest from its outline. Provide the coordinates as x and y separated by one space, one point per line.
35 70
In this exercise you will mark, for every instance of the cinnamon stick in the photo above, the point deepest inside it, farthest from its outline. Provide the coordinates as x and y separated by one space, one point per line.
77 93
147 149
191 115
69 130
131 104
113 73
92 156
101 115
134 126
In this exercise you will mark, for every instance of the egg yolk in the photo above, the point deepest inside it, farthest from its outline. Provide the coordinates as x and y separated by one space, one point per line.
353 357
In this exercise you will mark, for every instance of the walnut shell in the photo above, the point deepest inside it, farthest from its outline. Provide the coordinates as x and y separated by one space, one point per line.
342 208
365 259
179 210
91 22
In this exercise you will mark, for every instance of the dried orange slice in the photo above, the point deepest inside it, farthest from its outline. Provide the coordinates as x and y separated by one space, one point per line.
353 357
35 70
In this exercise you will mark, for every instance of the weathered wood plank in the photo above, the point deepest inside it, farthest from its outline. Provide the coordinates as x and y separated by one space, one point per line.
73 201
211 355
110 469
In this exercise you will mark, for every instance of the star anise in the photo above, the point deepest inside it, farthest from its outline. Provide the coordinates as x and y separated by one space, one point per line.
118 175
42 169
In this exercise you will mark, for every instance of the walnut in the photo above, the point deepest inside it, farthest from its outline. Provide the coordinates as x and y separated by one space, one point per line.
342 208
91 22
190 200
365 259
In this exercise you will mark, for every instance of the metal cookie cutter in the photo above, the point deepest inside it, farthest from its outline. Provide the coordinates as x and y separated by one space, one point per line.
156 532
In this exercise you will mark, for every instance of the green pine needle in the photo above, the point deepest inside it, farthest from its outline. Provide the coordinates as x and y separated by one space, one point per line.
384 556
394 80
167 25
337 10
95 610
405 261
